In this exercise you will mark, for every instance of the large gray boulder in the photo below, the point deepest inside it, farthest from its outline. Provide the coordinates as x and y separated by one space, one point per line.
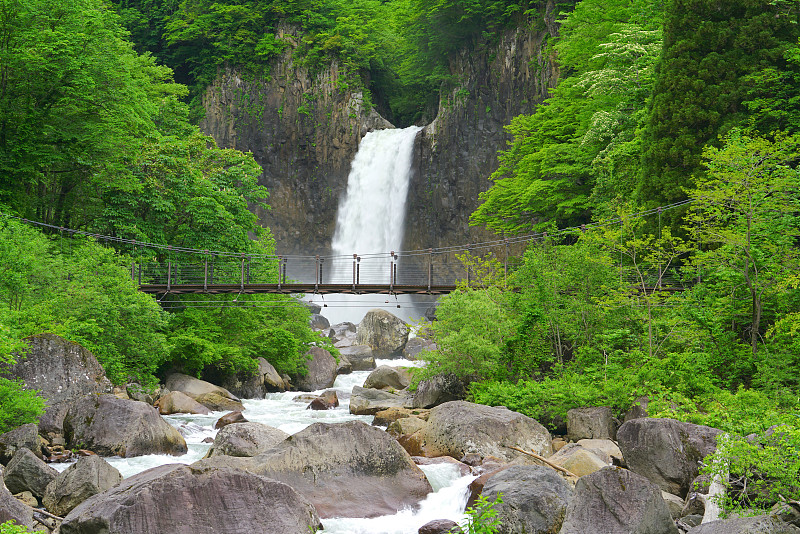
115 427
12 509
177 402
246 439
534 499
617 501
26 472
85 478
62 372
212 397
346 470
23 437
256 384
595 422
367 401
459 428
437 390
184 500
415 345
578 460
665 451
359 356
391 378
386 334
321 371
762 524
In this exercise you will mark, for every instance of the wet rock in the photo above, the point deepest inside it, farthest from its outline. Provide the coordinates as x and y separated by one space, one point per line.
344 367
83 479
327 401
385 333
114 427
439 526
762 524
388 378
359 356
229 419
365 401
665 451
595 422
321 371
388 416
437 390
617 501
23 437
26 472
463 468
62 372
212 397
182 500
458 428
255 384
177 402
246 439
534 499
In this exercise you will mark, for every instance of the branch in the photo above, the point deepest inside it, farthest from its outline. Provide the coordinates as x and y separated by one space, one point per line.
546 462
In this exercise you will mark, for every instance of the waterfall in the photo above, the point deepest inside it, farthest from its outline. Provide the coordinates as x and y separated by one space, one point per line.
370 220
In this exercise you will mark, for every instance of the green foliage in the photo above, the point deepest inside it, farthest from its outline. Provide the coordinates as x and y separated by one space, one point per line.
18 406
482 517
10 527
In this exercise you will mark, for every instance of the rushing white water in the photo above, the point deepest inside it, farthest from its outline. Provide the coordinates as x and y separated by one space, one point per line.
371 220
280 411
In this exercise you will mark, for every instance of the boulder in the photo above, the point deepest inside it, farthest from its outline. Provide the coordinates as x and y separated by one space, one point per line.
62 372
578 460
321 371
617 501
346 470
246 439
388 378
27 498
638 410
254 384
405 426
114 427
85 478
212 397
177 402
605 449
665 451
344 367
674 503
459 428
359 356
327 401
463 468
534 499
138 392
12 509
365 401
386 334
229 419
415 345
596 422
437 390
318 322
342 331
439 526
388 416
26 472
22 437
761 524
182 500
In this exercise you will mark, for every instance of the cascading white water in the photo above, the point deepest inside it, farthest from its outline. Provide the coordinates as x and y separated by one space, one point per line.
371 218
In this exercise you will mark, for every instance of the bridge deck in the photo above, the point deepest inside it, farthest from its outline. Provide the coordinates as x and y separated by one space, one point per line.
320 289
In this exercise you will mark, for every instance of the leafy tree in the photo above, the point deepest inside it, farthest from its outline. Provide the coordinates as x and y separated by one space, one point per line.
18 406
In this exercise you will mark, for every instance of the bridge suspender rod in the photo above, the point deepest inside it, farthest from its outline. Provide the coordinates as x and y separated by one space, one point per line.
205 273
505 262
354 271
391 272
469 269
316 274
430 268
280 274
358 270
394 272
321 261
169 275
241 280
285 261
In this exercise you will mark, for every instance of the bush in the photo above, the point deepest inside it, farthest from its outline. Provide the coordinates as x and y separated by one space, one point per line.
9 527
18 406
482 517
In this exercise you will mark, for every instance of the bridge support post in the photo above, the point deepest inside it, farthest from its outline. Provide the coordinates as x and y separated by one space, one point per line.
391 272
354 272
321 261
280 266
205 272
140 273
358 270
285 261
241 280
316 274
469 259
430 269
169 275
505 262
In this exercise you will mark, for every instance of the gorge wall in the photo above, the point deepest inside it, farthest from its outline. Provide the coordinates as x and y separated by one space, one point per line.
304 130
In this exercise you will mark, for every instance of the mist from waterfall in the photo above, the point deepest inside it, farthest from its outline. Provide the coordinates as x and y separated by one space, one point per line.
370 221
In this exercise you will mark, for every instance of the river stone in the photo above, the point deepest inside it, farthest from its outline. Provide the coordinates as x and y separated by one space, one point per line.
344 367
437 390
255 384
22 437
88 476
405 426
665 451
359 356
182 500
62 372
390 415
439 526
365 401
229 419
596 422
459 428
341 331
388 378
534 499
617 501
578 460
385 333
246 439
606 449
114 427
347 470
761 524
26 472
318 322
177 402
212 397
321 371
327 401
674 503
415 345
11 509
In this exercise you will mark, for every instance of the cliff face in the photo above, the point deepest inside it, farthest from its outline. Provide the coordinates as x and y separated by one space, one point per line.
303 130
457 152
